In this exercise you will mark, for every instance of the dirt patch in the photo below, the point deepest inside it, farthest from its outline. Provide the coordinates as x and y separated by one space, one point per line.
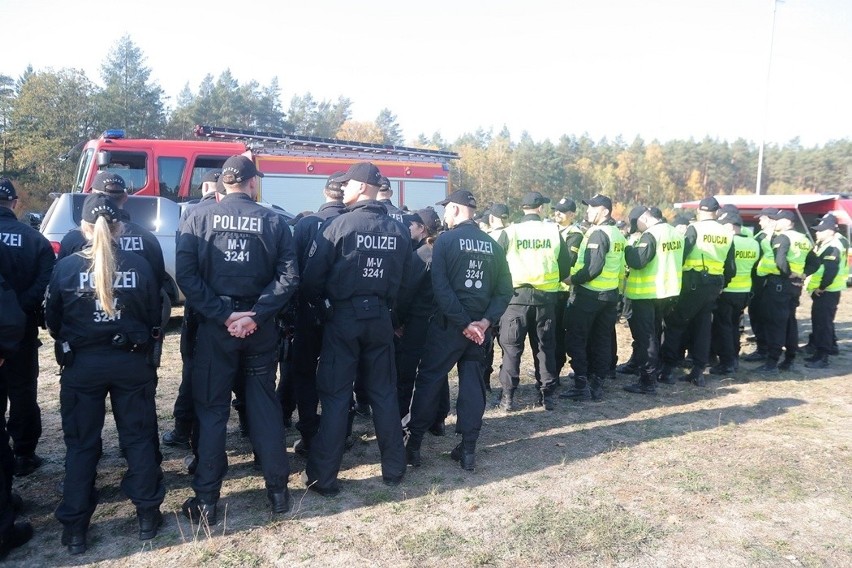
735 474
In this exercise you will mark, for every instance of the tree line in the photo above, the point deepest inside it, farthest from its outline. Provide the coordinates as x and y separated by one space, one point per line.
44 114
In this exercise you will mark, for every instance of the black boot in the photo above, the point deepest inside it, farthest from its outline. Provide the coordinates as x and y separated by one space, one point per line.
545 398
768 369
596 387
695 376
150 520
646 385
197 511
74 537
412 452
465 454
629 368
179 437
581 390
787 364
507 400
667 375
280 500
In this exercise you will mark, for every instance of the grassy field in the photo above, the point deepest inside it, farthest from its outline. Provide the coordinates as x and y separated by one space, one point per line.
736 474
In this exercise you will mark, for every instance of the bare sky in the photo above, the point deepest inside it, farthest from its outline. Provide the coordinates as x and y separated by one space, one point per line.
664 69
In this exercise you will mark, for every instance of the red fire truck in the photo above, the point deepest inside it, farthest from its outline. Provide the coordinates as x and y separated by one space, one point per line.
295 167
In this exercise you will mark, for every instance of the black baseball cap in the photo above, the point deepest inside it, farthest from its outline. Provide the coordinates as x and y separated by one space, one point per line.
680 220
598 200
427 217
109 182
729 217
212 176
565 205
784 214
708 204
499 210
99 205
767 212
460 197
7 190
534 199
238 169
384 184
365 172
826 223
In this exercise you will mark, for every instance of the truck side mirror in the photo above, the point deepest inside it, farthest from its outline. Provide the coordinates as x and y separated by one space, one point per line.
104 158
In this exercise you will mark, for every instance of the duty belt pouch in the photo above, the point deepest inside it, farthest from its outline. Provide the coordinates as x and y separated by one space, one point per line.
369 307
63 353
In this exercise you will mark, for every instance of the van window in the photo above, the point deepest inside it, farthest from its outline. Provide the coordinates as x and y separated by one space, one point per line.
82 169
203 165
170 171
131 167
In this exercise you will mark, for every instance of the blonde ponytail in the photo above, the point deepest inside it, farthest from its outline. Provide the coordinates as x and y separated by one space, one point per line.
102 255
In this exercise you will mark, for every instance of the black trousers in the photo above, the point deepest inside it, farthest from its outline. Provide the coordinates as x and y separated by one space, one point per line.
559 322
591 323
535 321
219 360
131 385
184 409
726 326
19 385
778 311
646 325
409 354
307 343
693 313
445 348
823 311
286 389
356 345
755 315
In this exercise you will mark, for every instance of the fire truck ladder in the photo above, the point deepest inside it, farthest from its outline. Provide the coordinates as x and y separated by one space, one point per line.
291 144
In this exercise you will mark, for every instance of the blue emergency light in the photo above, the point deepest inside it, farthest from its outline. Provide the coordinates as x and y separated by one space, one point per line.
113 133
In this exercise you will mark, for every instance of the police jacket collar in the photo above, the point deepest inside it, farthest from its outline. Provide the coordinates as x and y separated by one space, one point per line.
368 204
530 217
237 195
6 212
331 205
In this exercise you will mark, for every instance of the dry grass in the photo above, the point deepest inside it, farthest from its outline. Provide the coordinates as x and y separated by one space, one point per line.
737 474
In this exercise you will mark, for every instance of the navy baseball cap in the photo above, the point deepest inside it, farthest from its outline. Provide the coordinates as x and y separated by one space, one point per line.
826 223
427 217
460 197
599 200
238 169
109 182
708 204
365 172
784 214
99 205
7 190
565 205
534 199
499 210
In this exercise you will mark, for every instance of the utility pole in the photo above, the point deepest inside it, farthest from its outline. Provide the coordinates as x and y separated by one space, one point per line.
766 99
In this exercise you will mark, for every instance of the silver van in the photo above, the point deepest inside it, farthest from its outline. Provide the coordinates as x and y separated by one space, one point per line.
159 215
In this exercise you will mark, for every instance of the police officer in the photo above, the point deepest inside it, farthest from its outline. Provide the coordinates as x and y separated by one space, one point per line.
135 237
237 267
708 266
307 338
101 308
825 286
652 286
785 269
497 219
357 263
758 283
593 312
184 412
384 197
472 286
564 212
538 261
414 321
33 259
12 328
734 298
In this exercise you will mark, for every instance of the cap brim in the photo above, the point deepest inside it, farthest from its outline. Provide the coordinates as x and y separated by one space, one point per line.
341 179
259 174
444 202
